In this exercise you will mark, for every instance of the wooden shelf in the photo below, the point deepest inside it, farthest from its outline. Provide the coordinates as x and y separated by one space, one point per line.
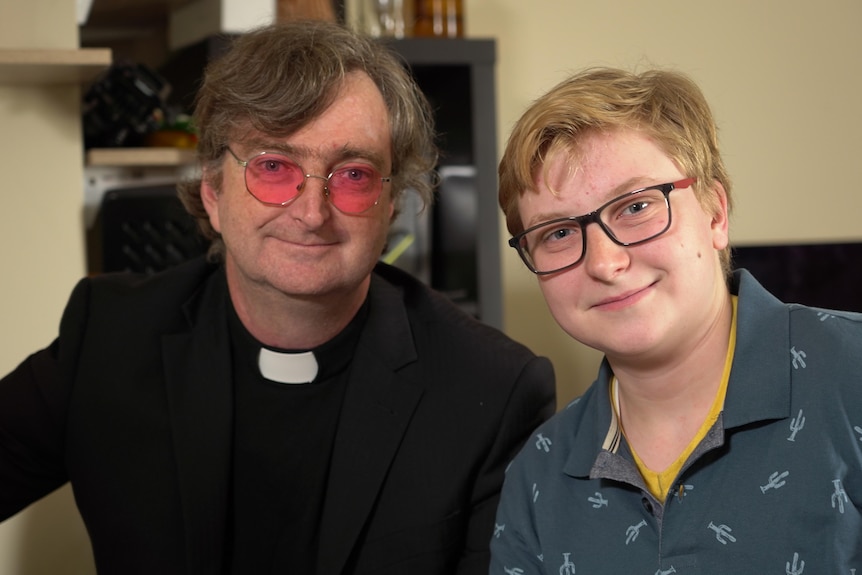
46 67
140 157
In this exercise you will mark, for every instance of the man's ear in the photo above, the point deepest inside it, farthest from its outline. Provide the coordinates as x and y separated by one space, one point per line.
720 216
210 199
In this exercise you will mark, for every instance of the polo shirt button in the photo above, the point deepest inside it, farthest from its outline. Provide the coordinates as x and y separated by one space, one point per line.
647 505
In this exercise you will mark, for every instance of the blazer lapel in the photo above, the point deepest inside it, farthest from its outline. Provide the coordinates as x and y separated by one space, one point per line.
200 400
378 406
377 409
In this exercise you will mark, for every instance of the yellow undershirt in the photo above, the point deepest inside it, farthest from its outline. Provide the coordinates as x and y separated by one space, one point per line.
659 483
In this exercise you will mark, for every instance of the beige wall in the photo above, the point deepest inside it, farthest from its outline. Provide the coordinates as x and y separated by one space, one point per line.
783 78
41 254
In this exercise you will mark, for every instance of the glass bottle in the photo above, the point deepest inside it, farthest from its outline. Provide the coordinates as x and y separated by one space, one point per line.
383 18
439 18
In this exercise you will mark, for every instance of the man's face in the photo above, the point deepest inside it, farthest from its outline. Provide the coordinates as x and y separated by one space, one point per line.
308 249
647 301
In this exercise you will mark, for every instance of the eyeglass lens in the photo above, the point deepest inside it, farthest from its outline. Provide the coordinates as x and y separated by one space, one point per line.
276 179
630 219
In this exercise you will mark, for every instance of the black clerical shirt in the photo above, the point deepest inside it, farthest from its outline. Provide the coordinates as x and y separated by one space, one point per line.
283 437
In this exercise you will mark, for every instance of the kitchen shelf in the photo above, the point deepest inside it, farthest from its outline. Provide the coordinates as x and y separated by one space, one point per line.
52 66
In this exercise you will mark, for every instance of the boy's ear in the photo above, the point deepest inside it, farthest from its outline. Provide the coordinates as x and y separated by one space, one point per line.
720 217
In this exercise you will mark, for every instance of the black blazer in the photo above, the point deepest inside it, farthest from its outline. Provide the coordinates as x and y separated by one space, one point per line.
133 404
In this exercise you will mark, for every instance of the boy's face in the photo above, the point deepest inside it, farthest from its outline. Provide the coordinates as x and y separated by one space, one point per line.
645 302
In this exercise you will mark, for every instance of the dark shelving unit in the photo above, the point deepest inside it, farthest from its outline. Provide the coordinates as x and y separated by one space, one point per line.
457 76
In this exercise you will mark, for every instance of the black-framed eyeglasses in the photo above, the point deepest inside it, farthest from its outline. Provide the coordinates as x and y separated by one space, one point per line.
276 180
629 219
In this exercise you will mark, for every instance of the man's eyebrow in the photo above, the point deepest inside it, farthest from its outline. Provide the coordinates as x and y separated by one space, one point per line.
300 153
348 152
259 145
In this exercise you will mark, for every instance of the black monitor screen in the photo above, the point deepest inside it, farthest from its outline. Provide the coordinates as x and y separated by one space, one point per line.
819 275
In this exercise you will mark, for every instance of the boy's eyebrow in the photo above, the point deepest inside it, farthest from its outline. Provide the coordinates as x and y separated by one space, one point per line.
629 185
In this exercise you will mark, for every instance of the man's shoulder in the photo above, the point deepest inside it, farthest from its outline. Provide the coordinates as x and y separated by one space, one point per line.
131 295
180 279
430 311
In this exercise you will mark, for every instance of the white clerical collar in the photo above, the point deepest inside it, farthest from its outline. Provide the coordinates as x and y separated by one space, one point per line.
292 368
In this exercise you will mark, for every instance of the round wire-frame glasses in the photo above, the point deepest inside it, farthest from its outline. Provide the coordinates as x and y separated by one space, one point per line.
628 220
275 179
